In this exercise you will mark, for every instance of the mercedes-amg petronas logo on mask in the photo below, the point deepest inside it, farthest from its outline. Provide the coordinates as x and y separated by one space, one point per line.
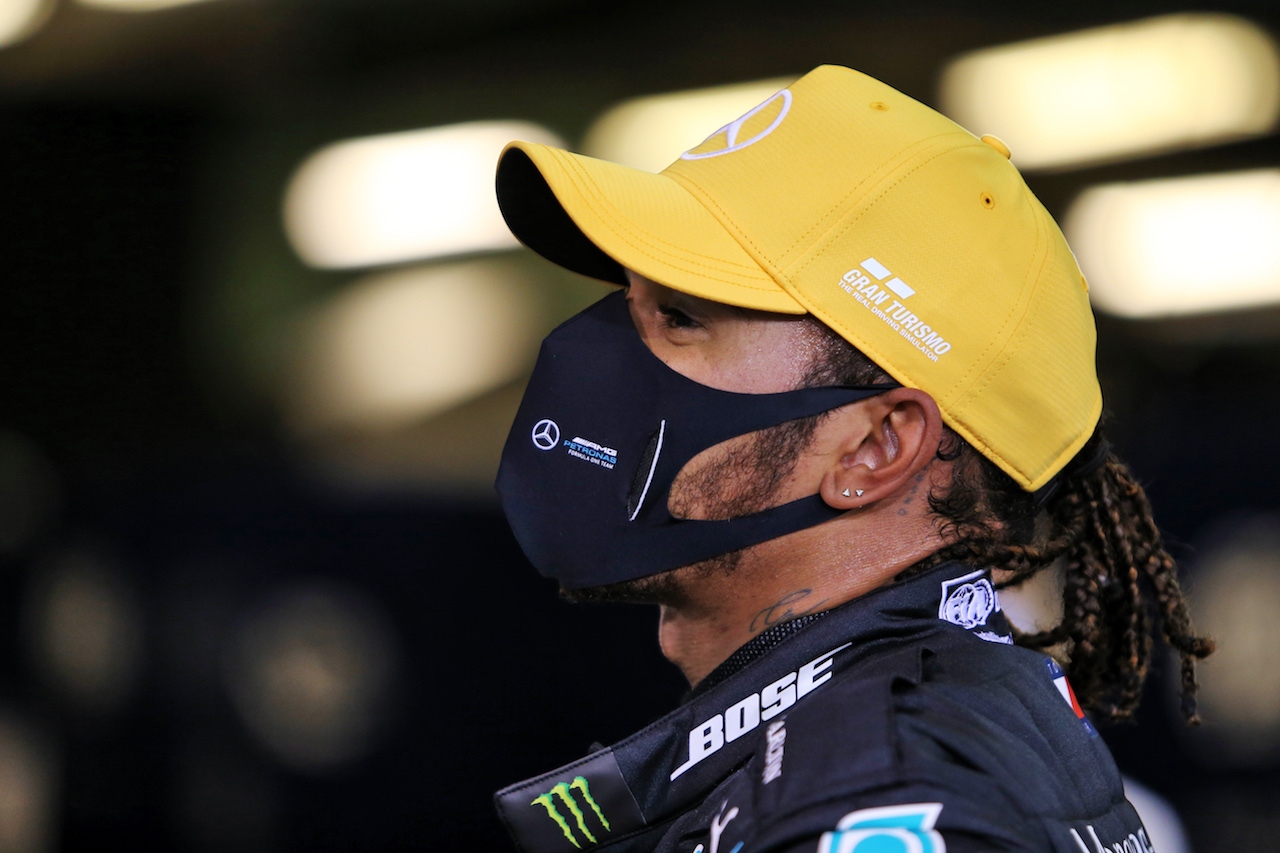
546 434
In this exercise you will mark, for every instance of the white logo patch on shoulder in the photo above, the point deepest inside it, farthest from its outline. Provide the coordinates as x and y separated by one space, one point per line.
968 600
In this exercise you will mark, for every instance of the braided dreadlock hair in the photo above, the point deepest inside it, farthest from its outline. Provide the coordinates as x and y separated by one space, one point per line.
1119 582
1114 568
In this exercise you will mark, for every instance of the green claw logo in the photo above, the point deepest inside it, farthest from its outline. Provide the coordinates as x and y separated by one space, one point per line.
565 793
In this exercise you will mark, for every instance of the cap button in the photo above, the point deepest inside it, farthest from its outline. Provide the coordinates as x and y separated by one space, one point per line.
998 144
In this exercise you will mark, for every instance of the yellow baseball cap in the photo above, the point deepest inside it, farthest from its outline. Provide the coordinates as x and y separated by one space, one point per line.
840 197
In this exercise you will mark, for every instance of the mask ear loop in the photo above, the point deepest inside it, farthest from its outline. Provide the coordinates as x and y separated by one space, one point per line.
665 469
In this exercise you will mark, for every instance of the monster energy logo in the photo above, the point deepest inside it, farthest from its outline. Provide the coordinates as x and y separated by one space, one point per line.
565 793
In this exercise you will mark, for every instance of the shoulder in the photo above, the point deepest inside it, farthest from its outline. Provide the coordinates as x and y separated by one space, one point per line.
977 737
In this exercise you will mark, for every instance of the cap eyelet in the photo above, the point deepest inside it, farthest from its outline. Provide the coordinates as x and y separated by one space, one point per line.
879 105
988 200
998 144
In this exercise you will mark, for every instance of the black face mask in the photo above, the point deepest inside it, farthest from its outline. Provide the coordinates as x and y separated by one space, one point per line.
604 428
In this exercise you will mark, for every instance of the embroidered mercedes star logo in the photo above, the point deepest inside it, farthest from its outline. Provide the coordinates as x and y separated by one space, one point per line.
715 145
546 434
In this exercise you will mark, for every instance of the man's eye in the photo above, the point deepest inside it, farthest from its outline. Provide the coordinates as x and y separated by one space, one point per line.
674 318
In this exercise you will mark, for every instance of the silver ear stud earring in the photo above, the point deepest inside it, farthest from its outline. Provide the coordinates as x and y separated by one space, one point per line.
845 493
859 492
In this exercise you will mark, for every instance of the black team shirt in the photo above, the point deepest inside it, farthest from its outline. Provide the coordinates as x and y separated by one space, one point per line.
905 720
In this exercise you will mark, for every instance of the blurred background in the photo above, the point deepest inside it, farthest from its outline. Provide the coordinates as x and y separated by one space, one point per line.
264 332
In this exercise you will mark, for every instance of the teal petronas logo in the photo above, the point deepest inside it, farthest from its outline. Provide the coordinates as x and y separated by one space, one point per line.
565 793
888 829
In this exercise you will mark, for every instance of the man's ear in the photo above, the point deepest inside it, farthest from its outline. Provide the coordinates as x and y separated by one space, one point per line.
897 437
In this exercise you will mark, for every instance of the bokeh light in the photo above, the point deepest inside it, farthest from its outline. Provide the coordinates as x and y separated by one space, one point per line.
399 347
84 628
311 674
403 196
1180 245
137 5
20 19
28 787
1117 91
1237 596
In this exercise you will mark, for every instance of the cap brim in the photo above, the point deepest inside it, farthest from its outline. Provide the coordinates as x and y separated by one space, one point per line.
599 218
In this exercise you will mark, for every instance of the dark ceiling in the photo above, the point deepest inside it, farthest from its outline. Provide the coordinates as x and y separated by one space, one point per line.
244 50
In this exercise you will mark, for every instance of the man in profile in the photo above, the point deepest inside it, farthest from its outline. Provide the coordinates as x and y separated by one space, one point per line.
846 392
